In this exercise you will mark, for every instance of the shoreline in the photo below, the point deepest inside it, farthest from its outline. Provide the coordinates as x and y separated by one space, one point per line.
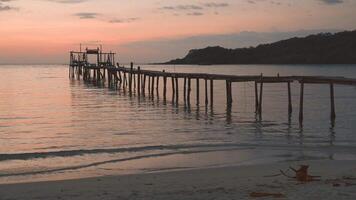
234 182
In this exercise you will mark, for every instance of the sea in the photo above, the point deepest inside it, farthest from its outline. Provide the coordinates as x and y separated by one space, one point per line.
56 128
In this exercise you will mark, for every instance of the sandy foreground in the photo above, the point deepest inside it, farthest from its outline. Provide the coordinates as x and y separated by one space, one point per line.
337 182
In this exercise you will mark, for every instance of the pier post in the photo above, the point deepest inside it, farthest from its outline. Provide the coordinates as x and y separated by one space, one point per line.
89 75
124 81
301 103
261 93
211 92
134 82
120 77
189 91
111 75
164 87
173 89
149 85
116 79
153 87
290 109
144 85
185 90
130 78
332 102
198 100
109 79
138 81
256 97
157 86
99 75
206 91
228 93
177 90
70 64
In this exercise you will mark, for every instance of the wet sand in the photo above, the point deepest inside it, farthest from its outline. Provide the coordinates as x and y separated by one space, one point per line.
212 183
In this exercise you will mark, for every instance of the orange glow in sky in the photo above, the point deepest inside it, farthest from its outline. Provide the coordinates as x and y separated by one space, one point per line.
32 29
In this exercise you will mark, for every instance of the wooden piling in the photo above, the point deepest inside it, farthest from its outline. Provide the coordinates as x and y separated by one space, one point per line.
211 92
152 87
228 93
290 109
139 81
134 82
301 102
261 93
149 85
332 102
130 78
120 77
256 97
125 81
177 90
206 91
157 86
185 90
144 85
189 91
197 93
164 87
173 90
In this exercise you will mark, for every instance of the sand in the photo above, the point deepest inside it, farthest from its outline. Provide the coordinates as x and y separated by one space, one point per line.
212 183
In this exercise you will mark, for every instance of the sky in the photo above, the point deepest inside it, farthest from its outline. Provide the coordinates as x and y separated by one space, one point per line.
44 31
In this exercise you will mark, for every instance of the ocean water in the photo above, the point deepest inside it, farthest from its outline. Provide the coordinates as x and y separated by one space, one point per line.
54 128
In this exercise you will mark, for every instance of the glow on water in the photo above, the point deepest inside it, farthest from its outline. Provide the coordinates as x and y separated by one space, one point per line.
55 128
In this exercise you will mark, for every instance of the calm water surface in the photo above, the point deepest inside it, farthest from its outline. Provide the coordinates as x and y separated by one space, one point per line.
55 128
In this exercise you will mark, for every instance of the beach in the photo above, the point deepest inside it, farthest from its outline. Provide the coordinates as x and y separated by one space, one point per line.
338 181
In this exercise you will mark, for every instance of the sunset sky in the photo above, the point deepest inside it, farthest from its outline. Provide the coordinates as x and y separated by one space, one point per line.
43 31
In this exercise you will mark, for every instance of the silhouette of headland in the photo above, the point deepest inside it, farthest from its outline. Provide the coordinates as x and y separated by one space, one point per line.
322 48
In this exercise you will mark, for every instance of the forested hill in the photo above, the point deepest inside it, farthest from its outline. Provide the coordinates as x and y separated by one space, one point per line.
323 48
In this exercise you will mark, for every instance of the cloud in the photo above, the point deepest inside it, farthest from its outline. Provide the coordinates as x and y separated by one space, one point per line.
194 9
86 15
4 7
332 2
277 3
195 14
68 1
182 7
101 17
216 5
123 20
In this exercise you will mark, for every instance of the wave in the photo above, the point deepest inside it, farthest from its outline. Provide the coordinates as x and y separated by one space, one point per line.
79 152
77 167
177 147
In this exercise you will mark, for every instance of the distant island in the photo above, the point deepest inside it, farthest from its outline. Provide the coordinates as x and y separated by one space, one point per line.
323 48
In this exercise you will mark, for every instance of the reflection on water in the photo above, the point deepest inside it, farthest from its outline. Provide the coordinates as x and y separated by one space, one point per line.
50 125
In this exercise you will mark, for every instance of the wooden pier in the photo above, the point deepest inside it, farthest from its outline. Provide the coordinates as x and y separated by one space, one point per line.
135 81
